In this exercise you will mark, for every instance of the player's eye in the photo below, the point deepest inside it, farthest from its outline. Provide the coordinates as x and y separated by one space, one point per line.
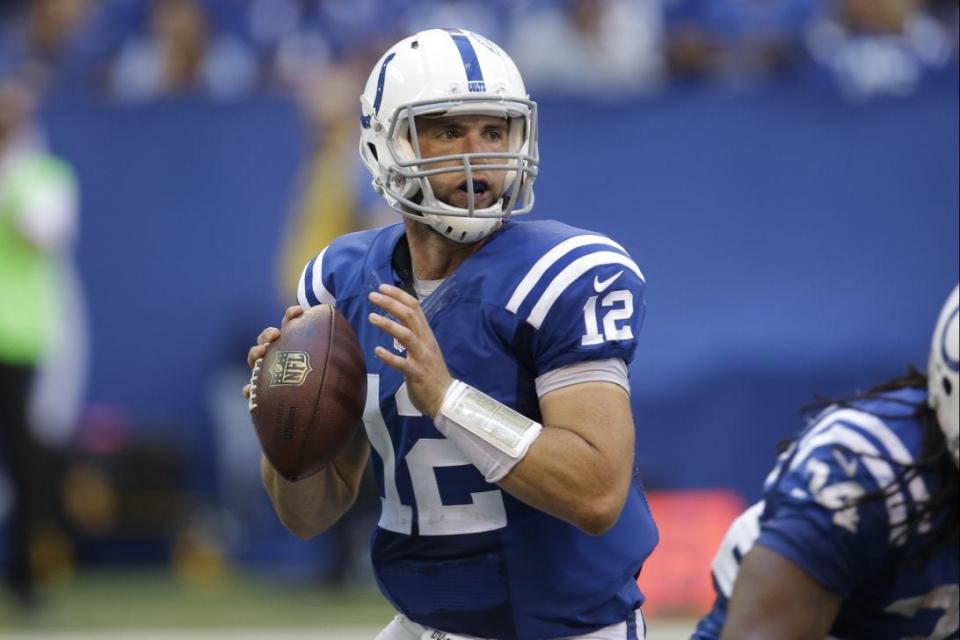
446 133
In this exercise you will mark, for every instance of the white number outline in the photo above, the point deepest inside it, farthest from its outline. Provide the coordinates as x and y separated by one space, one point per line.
610 318
839 497
486 511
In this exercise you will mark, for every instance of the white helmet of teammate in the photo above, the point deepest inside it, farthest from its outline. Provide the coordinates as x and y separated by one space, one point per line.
441 72
943 373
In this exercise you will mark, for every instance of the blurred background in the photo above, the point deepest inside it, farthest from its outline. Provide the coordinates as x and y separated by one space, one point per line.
785 172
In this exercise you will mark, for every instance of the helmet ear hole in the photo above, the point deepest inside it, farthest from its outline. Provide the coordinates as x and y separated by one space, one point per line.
373 150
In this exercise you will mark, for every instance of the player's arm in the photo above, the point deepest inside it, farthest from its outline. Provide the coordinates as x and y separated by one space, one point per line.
579 468
818 539
310 506
47 219
774 599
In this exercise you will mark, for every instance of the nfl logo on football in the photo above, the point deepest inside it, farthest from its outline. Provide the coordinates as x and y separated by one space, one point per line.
290 368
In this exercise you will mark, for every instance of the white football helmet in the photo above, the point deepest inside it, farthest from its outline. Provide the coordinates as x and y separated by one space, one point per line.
441 72
943 373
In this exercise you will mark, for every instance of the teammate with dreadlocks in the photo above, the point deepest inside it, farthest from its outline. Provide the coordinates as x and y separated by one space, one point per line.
857 534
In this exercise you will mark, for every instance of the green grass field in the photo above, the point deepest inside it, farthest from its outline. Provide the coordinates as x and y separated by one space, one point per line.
118 600
150 604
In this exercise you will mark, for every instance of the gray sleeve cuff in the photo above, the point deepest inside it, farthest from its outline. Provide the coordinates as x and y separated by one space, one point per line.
610 370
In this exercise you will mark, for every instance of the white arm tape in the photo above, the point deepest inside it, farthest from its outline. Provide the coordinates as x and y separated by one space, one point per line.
490 434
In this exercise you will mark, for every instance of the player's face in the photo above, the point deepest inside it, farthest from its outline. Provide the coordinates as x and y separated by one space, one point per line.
465 134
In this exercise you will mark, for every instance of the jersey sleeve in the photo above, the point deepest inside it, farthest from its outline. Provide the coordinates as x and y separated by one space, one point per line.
591 310
815 512
331 275
316 283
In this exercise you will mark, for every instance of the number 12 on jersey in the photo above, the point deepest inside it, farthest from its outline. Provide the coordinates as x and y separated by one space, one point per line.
484 512
615 306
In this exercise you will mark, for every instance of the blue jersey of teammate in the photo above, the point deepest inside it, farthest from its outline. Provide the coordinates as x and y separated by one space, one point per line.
863 553
451 551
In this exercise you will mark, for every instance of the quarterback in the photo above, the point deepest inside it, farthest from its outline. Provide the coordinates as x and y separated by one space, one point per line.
857 534
497 417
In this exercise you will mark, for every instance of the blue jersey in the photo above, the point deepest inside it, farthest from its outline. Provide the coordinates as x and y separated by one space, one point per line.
452 551
864 553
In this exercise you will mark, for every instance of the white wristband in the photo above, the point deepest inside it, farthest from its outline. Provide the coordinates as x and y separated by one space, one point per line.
490 434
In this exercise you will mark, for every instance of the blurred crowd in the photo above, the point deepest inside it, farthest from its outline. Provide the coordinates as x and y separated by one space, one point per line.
142 50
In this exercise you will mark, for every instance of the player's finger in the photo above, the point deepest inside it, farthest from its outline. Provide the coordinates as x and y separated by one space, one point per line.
404 298
398 309
246 390
398 294
291 313
391 359
393 329
268 335
255 353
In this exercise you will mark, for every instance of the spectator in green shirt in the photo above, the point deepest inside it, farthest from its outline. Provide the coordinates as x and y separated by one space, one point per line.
37 219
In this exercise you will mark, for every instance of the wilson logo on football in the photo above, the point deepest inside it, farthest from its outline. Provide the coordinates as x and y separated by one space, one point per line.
290 369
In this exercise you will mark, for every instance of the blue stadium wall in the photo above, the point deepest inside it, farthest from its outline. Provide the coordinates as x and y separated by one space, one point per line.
793 244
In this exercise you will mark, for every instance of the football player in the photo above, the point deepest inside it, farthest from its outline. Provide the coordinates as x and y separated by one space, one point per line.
857 534
498 417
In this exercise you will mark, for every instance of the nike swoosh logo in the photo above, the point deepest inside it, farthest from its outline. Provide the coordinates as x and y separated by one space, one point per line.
601 285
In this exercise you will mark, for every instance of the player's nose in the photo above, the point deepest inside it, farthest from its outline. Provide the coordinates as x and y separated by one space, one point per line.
475 142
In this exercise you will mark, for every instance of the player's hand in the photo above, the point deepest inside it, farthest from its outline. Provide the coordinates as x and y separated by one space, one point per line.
423 368
267 336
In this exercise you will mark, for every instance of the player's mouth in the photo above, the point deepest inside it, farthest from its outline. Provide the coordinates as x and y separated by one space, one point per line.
481 191
480 187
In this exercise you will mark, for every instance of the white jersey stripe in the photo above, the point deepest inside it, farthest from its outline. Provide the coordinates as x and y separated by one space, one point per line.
569 274
302 288
894 446
877 428
320 291
839 433
737 542
896 449
548 260
872 424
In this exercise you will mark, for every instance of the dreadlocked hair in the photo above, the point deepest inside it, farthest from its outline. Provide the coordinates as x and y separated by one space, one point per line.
935 458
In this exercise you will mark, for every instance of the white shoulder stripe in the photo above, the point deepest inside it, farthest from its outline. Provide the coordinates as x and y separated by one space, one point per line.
548 260
573 271
894 446
881 471
320 291
838 427
317 290
302 288
877 428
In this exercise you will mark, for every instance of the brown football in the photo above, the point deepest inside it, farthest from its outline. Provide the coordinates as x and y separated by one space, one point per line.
308 392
